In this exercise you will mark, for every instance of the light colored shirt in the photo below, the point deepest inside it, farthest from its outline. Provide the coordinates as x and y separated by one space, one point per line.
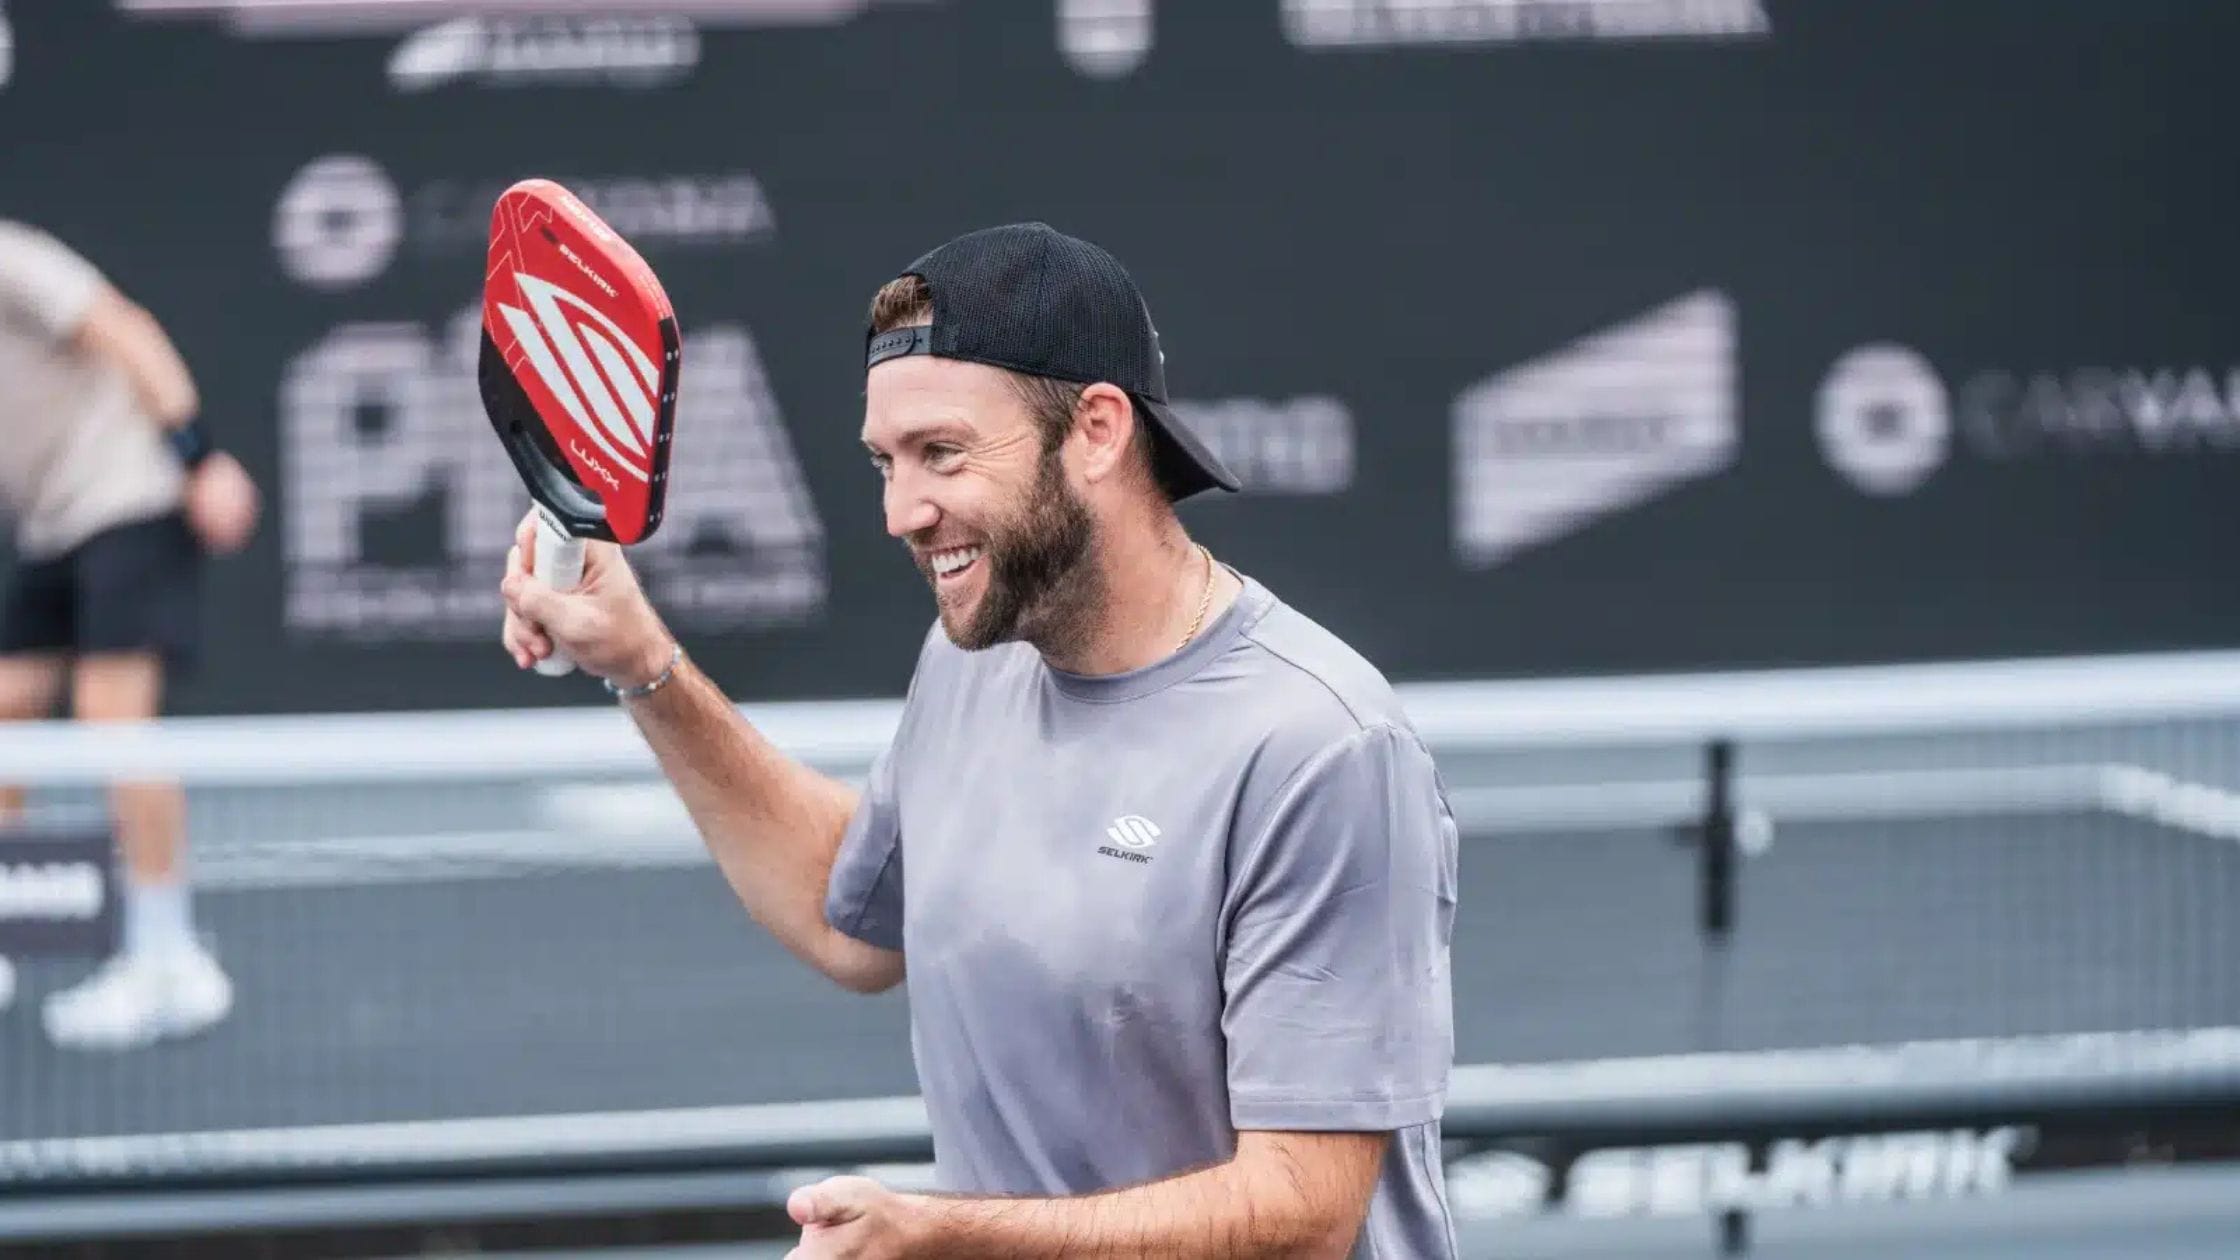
1142 912
78 454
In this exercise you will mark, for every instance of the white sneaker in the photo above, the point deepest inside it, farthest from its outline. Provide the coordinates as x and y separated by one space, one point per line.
7 982
135 1000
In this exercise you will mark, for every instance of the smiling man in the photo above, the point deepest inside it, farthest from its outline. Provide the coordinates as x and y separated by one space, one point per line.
1167 873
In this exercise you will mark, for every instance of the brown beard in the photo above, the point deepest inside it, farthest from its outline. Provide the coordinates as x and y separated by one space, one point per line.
1040 586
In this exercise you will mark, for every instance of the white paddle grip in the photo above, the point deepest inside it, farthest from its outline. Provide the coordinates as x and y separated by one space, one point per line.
559 566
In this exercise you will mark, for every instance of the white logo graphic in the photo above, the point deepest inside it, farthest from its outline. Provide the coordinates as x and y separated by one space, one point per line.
337 222
610 388
1699 1178
576 449
1104 39
1498 1184
50 890
2102 410
714 209
597 280
1134 831
1884 421
1386 24
1876 1168
1887 423
617 51
1278 446
1609 421
398 506
286 19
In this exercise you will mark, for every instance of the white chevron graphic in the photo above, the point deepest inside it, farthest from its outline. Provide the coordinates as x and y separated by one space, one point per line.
1133 830
563 352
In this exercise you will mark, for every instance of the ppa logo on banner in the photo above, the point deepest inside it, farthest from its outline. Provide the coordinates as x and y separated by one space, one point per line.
400 504
1608 422
741 544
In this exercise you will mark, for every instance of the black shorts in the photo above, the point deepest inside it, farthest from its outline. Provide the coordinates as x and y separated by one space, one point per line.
129 588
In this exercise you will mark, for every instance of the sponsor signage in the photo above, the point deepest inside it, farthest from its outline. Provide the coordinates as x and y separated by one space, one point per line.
58 891
1590 370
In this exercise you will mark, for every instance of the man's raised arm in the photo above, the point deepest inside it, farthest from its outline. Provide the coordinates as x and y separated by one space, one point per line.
773 824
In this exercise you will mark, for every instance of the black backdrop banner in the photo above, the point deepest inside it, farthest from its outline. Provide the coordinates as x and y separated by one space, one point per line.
1552 336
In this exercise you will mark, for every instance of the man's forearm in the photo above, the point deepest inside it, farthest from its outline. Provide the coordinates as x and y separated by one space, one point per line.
773 824
122 333
1240 1210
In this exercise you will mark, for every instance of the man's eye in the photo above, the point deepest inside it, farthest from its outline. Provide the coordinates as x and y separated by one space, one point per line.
883 464
940 454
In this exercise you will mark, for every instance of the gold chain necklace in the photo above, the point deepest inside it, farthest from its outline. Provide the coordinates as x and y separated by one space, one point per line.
1205 600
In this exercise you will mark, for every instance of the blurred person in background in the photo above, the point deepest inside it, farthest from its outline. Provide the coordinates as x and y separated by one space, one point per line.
1173 875
114 495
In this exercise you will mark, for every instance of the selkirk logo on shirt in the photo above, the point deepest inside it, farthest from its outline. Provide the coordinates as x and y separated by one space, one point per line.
1130 835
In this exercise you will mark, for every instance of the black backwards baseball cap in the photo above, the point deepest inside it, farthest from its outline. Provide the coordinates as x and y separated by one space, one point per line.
1027 297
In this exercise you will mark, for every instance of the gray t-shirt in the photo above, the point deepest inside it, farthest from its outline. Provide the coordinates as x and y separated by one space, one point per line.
78 453
1141 912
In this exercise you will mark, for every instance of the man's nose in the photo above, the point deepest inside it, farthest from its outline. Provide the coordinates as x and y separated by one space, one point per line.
908 512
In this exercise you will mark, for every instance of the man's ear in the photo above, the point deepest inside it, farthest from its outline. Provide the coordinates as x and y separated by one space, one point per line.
1105 421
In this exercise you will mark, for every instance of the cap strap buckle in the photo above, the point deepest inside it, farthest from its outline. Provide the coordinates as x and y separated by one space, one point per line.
897 342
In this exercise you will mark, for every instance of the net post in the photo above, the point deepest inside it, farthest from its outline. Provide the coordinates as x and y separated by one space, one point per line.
1734 1232
1717 839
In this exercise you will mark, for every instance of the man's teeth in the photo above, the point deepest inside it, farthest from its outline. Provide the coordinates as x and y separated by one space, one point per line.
948 562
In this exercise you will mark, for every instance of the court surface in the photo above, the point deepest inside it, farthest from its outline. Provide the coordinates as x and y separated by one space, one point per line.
438 951
437 983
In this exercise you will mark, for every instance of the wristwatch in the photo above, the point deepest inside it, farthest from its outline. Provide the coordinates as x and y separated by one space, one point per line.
190 443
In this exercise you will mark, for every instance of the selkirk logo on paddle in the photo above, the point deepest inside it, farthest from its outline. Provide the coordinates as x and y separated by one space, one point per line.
580 363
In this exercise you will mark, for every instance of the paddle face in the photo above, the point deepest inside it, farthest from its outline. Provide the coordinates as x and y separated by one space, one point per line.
579 367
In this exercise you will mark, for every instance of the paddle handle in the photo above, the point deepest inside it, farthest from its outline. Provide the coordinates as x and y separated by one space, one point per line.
559 566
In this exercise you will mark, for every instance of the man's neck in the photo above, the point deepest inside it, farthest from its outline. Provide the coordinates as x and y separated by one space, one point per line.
1151 591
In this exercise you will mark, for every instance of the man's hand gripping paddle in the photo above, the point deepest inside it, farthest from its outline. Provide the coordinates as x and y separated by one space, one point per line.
580 356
